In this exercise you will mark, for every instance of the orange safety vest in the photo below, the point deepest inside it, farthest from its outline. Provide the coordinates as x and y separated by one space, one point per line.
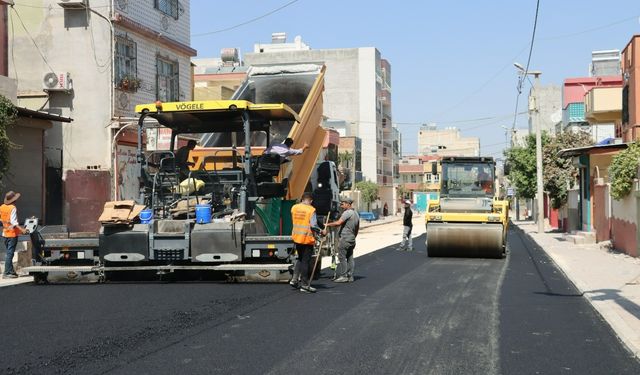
8 230
301 217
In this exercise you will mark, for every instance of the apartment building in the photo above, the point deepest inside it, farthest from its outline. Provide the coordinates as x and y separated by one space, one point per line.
93 61
446 142
357 91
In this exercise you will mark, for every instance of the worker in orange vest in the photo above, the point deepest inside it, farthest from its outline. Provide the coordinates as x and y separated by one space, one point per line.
304 218
10 231
484 180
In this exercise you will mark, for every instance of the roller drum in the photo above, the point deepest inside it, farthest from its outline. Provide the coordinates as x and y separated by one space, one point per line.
482 240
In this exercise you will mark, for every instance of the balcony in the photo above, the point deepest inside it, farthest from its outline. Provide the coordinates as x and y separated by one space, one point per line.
574 113
603 105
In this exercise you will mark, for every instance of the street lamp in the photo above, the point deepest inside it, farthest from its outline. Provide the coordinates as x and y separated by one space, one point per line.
535 114
506 135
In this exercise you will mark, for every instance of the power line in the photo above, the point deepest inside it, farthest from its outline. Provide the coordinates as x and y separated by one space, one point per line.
589 30
422 123
246 22
32 40
526 70
486 83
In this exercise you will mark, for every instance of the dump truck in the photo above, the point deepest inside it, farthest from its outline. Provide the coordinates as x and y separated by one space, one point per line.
467 219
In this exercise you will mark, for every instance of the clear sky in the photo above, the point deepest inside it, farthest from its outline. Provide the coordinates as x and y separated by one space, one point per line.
451 61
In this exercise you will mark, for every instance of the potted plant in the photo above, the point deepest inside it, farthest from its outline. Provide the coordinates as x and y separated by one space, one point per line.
129 83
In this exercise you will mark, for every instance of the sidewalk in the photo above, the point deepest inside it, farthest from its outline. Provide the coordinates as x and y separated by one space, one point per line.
609 280
10 282
383 220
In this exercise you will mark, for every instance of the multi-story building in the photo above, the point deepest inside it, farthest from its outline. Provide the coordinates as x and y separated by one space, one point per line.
218 78
94 61
446 142
25 170
605 63
397 153
417 182
591 103
573 103
350 149
629 128
357 90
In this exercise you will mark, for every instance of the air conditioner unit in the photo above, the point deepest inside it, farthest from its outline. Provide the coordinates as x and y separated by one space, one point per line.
73 4
57 82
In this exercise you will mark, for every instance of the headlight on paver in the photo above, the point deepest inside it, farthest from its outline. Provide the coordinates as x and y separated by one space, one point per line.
435 217
493 218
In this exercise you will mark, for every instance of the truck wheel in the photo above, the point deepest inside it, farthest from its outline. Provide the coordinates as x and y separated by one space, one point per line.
40 278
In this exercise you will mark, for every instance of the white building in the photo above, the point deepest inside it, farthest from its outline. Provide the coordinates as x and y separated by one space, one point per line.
446 142
357 90
94 61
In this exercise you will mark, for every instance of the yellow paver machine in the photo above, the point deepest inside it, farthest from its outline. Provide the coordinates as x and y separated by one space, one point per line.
467 220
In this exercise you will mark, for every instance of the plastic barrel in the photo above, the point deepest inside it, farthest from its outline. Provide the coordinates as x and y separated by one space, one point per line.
146 216
203 213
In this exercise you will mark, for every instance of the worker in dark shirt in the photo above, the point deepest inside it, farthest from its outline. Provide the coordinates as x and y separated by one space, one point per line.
182 159
407 241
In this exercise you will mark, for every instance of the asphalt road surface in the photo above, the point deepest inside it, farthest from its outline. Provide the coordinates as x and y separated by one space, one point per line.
404 314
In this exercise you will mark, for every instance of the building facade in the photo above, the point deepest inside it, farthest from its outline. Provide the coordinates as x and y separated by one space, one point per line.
218 78
357 90
105 58
629 129
446 142
545 101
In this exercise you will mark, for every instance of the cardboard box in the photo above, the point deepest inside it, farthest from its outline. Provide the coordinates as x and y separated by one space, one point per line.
120 212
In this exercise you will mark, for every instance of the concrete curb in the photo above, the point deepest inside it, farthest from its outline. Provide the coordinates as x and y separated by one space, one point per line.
18 281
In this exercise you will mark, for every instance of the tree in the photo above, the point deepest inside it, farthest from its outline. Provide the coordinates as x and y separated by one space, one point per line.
345 158
559 172
623 170
369 192
522 162
8 116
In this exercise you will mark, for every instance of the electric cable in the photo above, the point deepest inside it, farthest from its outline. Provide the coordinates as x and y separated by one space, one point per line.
526 70
33 40
246 22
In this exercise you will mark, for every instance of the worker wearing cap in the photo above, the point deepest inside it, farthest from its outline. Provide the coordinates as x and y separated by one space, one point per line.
349 223
10 231
407 222
303 216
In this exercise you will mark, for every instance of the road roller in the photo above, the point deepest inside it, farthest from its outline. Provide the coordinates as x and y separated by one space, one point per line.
467 219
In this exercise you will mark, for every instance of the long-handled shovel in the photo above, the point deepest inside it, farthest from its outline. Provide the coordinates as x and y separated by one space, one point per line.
315 264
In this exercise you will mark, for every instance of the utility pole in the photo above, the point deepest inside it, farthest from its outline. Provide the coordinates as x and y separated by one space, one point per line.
535 112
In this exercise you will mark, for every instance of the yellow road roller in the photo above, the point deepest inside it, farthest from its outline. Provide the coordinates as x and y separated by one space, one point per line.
468 219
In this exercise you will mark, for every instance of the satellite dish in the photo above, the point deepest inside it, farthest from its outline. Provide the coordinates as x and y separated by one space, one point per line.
556 117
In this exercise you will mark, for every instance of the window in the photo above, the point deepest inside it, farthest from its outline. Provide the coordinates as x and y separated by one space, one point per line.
126 70
168 7
167 80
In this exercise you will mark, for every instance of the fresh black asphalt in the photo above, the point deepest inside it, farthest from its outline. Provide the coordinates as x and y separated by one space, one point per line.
405 314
